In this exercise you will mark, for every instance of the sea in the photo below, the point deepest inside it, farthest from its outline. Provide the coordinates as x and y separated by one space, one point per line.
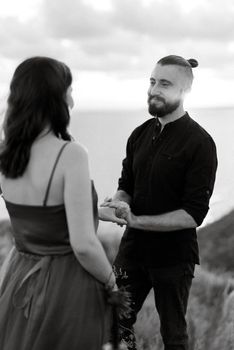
105 133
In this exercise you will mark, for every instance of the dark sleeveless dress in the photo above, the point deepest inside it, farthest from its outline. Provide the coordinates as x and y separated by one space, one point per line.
48 301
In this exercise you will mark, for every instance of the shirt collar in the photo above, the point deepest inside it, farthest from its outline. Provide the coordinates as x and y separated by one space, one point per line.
177 122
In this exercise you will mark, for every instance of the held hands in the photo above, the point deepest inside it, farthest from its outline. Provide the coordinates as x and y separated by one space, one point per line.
121 210
107 213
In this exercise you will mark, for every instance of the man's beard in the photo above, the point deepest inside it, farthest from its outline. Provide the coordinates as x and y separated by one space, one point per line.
164 108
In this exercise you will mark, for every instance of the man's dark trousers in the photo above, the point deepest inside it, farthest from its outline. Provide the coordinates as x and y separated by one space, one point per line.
171 290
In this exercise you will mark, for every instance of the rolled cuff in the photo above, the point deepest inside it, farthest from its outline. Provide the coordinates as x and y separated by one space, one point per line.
197 214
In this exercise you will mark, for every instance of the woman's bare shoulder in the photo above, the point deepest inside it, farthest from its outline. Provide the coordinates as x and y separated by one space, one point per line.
75 149
75 154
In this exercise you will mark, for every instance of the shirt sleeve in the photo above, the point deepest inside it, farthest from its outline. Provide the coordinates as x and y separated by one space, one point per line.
126 180
200 179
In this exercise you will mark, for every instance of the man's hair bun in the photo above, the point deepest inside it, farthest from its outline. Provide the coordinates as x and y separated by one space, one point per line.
193 63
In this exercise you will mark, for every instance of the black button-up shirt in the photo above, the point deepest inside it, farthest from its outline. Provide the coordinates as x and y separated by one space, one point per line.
164 171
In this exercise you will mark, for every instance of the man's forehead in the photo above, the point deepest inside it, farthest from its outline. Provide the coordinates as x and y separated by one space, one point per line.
168 72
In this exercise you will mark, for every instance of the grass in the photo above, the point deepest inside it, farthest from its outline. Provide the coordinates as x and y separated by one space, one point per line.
210 316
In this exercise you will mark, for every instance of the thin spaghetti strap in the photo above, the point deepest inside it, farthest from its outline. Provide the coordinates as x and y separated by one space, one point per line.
52 174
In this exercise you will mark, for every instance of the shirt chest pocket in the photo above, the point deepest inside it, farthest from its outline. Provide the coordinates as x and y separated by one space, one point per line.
172 165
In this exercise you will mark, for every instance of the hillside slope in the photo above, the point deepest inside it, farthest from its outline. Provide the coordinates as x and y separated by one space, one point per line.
216 242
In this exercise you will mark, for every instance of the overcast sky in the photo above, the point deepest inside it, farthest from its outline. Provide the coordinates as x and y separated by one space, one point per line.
111 46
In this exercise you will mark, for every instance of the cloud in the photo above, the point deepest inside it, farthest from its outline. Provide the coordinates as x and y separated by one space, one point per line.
75 19
167 20
163 20
128 39
131 35
20 39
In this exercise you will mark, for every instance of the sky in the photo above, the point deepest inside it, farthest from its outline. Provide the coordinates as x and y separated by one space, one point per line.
111 46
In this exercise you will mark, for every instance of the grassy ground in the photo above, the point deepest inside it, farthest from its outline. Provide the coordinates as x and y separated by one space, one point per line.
210 316
216 243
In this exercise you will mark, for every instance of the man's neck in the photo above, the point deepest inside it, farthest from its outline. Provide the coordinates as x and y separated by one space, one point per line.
177 114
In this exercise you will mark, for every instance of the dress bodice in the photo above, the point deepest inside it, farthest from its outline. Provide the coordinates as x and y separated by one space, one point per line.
42 229
39 230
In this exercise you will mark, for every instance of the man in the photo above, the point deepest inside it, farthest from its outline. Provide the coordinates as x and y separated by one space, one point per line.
167 180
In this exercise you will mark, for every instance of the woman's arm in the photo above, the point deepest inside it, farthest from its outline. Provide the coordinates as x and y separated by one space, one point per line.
79 211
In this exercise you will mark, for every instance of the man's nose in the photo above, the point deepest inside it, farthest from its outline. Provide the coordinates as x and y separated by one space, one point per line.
154 90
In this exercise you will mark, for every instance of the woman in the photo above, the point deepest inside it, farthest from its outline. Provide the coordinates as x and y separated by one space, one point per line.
52 294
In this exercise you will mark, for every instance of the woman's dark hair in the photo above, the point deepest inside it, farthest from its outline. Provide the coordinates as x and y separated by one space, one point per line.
37 99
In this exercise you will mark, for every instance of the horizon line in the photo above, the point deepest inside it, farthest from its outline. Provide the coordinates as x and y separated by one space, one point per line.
144 109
